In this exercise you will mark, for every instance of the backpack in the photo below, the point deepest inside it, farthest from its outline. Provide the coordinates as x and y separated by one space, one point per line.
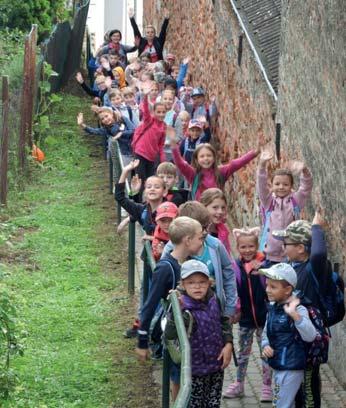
317 351
147 222
265 217
333 300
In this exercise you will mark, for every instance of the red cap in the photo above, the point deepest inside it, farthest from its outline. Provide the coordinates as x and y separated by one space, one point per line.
166 209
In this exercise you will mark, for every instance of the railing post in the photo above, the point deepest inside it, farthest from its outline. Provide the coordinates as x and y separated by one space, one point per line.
4 141
165 378
110 174
131 257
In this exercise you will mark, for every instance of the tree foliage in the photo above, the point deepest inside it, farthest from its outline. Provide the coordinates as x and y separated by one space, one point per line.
21 14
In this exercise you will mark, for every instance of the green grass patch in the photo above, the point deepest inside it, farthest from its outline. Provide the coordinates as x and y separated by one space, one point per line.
66 272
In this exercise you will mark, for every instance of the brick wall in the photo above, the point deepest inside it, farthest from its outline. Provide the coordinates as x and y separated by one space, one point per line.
311 110
311 106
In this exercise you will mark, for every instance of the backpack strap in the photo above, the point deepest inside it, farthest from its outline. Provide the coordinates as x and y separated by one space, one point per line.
129 110
194 187
296 208
173 273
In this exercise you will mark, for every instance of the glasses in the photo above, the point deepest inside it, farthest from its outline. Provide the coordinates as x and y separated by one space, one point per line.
198 284
285 244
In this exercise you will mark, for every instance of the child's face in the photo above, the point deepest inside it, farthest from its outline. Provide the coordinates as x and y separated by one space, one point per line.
116 100
116 75
195 243
150 33
106 118
169 179
217 210
101 85
277 291
160 112
196 285
168 100
175 72
113 60
294 251
184 121
205 158
247 247
154 189
164 223
198 100
195 133
154 91
129 99
282 185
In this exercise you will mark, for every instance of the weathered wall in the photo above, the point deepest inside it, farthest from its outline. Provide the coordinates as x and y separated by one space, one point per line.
312 112
210 35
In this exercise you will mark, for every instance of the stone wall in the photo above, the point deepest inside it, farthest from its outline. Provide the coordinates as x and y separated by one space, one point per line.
311 105
312 113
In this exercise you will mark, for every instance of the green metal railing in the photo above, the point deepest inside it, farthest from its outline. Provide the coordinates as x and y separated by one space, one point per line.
183 397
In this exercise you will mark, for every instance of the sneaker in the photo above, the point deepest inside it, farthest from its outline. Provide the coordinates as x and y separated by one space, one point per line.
234 390
267 393
132 331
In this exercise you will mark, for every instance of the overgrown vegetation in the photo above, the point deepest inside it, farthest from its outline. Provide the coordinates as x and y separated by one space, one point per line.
65 271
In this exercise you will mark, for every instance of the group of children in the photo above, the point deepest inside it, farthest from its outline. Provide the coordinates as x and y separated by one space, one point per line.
163 128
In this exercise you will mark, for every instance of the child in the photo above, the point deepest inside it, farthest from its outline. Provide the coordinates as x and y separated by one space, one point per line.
181 125
306 249
149 138
114 128
165 214
203 173
253 309
101 84
195 137
281 205
154 190
130 101
211 339
287 328
168 172
215 202
167 98
186 234
215 256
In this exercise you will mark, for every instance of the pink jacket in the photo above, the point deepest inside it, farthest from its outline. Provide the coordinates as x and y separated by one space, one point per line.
208 178
282 214
149 137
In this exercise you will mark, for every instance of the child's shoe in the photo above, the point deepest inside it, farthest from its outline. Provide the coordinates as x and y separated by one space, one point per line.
234 390
132 331
267 393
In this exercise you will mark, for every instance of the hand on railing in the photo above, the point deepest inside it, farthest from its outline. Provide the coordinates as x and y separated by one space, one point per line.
117 136
79 78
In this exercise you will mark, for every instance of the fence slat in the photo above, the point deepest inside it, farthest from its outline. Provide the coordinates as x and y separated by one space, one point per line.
4 141
32 81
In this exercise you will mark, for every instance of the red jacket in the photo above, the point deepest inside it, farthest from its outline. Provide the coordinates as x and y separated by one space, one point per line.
160 237
149 137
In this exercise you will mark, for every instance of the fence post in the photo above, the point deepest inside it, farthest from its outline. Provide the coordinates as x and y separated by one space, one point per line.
131 258
165 378
4 141
32 80
24 107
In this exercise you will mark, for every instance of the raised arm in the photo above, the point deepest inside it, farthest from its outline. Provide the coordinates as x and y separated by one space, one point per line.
263 190
228 169
305 184
318 255
135 28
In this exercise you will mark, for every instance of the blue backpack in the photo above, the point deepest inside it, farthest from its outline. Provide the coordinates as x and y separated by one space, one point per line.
265 216
333 300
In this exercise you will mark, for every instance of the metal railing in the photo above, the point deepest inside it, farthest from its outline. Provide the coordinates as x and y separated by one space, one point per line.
183 397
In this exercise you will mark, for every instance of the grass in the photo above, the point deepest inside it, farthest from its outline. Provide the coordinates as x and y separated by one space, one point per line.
66 272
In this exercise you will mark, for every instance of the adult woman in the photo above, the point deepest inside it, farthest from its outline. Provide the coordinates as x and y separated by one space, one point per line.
113 42
150 44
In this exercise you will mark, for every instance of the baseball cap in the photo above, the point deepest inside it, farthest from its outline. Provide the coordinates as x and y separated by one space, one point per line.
195 123
166 210
199 91
193 266
281 271
298 231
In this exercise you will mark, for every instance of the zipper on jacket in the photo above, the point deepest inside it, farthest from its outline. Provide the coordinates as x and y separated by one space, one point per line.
252 301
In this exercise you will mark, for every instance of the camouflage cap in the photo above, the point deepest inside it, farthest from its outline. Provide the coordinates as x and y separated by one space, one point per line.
298 231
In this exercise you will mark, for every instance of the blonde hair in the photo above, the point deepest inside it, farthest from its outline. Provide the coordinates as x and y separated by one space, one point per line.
128 91
115 92
184 114
246 232
181 228
116 115
211 194
100 78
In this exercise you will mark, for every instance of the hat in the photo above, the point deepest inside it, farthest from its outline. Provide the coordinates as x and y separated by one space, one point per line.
170 56
193 266
198 92
281 271
195 123
166 209
298 231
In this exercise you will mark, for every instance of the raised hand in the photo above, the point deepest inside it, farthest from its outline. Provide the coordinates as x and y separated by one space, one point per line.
131 12
186 60
95 108
290 307
79 78
136 184
260 142
165 13
319 218
266 156
296 166
80 119
171 135
132 165
106 65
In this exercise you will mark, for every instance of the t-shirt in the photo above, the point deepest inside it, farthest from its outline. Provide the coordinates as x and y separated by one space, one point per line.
205 258
150 49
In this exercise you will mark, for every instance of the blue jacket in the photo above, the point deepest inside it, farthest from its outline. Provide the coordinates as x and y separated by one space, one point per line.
226 287
125 139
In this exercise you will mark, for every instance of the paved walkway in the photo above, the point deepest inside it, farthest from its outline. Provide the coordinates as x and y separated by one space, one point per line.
333 394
